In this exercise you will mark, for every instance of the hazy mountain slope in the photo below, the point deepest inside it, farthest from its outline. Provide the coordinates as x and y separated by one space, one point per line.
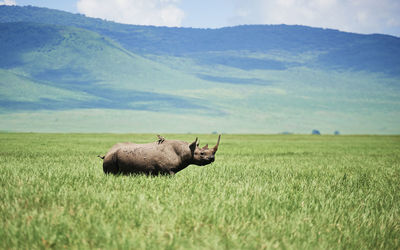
336 50
18 92
66 72
83 64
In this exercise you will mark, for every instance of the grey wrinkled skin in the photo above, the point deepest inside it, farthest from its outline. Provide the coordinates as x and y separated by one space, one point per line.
165 157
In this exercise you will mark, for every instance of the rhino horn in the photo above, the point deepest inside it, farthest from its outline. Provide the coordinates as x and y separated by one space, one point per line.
216 146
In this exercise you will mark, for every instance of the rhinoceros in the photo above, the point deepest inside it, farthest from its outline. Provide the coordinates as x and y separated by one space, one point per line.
165 157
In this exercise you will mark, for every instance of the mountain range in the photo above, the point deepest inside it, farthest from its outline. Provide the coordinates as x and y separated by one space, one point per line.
64 72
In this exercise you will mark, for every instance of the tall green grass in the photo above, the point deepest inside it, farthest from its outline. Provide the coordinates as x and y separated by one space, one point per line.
263 191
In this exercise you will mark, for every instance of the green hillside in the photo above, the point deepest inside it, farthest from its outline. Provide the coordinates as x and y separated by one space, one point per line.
332 49
75 68
61 72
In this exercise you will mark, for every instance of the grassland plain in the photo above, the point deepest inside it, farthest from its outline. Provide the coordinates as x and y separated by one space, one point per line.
263 191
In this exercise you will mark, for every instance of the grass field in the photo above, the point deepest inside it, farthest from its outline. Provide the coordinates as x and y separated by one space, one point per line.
263 191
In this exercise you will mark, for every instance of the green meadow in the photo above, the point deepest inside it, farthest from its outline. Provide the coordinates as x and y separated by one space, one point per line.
263 191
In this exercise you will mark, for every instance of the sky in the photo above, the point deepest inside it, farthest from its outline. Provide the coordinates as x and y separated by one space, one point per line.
359 16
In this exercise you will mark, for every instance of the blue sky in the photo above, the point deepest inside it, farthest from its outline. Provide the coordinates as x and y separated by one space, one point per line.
361 16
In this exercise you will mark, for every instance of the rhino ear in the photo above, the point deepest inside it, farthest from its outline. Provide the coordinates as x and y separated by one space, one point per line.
193 145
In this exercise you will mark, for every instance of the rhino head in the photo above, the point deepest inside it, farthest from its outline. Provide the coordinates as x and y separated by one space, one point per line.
203 156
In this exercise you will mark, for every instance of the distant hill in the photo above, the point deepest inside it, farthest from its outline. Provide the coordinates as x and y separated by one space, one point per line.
247 79
337 50
82 64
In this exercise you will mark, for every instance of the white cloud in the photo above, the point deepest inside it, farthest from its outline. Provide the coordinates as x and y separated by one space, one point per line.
8 2
362 16
143 12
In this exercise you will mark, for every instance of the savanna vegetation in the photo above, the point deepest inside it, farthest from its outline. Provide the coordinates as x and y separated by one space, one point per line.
263 191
